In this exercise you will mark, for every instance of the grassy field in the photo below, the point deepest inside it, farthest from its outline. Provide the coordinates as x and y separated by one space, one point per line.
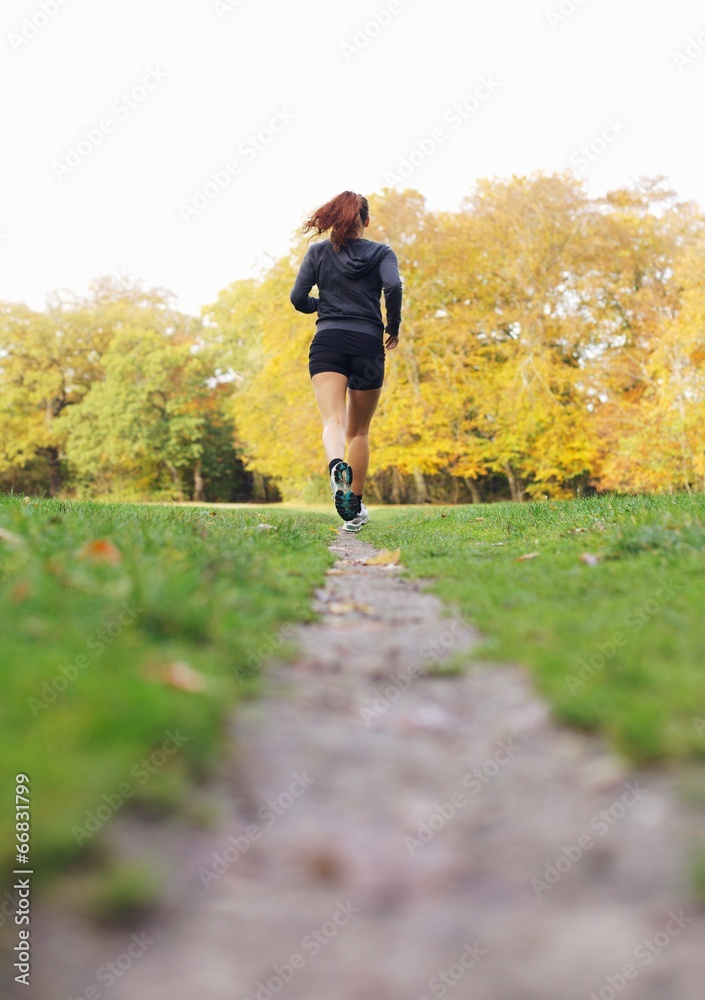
128 633
607 606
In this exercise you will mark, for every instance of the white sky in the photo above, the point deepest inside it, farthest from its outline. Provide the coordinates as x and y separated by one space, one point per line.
353 116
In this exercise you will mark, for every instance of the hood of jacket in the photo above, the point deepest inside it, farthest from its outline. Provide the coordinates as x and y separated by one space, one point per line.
358 257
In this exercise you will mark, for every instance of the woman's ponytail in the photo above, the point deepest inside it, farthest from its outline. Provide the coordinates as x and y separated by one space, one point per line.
343 215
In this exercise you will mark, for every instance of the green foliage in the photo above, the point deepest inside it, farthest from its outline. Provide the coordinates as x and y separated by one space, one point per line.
115 394
223 474
146 417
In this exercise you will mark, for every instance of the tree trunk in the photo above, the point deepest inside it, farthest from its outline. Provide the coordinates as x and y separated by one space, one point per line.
396 487
199 487
474 490
686 457
176 480
56 478
455 487
420 484
515 485
259 489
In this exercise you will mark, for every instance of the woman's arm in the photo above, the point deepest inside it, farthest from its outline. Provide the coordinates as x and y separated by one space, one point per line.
305 280
392 286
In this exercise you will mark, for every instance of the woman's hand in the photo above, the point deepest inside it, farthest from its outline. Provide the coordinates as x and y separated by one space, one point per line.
391 343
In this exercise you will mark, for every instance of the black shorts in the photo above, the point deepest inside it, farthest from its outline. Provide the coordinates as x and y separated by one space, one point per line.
359 356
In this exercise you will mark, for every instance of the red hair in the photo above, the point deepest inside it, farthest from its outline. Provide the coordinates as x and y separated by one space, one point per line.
343 215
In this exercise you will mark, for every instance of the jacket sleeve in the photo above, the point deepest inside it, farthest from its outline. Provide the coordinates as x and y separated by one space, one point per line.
305 280
392 287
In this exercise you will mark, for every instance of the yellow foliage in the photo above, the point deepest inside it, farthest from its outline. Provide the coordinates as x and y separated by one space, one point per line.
546 337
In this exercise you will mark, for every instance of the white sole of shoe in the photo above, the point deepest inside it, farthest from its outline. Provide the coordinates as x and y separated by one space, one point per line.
355 525
343 480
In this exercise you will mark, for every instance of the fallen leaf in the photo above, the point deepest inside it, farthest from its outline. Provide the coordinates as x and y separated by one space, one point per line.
10 537
266 527
340 607
178 674
529 555
181 675
102 551
326 864
55 566
21 591
384 558
345 607
590 559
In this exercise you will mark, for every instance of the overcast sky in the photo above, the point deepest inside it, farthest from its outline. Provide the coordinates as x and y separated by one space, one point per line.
116 113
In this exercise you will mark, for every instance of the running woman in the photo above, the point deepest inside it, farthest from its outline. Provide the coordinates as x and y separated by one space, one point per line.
346 358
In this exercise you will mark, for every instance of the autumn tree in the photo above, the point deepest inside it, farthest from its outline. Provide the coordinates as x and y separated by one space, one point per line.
550 341
145 421
538 325
653 416
49 361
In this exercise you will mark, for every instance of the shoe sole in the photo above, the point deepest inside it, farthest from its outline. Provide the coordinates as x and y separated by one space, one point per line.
346 505
348 526
343 475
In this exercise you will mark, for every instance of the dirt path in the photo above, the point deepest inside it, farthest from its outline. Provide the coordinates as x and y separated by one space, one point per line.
407 818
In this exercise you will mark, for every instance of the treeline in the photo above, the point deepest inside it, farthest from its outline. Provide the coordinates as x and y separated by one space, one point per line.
552 343
113 394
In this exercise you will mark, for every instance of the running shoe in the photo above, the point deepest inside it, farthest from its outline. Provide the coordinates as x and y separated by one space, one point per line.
341 477
347 504
357 522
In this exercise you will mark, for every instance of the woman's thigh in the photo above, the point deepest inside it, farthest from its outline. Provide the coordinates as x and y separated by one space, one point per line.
330 389
362 404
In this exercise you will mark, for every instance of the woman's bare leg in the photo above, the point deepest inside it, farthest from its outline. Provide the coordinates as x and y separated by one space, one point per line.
330 389
362 404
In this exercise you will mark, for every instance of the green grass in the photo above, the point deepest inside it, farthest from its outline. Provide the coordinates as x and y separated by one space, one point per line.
103 660
96 653
617 647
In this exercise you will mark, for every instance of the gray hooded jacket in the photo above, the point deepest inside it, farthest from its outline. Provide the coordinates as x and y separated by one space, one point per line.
350 285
